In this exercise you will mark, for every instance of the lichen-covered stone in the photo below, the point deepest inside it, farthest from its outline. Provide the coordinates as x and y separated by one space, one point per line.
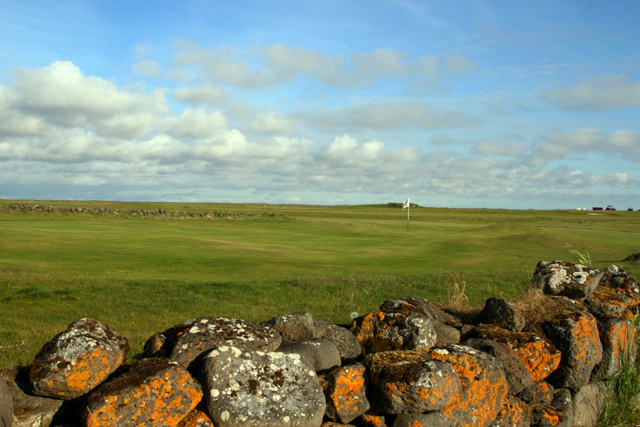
294 326
541 392
252 388
154 392
77 360
187 342
196 418
346 342
409 382
422 306
563 403
29 410
386 331
617 336
576 335
512 414
372 420
483 387
320 353
545 415
345 392
566 279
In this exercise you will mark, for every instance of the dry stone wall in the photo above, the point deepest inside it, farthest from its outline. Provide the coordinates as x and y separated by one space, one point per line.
412 363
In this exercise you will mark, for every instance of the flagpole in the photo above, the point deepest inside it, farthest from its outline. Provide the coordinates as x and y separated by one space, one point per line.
407 205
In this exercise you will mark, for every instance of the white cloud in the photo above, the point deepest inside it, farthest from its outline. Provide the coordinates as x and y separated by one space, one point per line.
494 147
599 93
274 123
147 68
204 94
193 124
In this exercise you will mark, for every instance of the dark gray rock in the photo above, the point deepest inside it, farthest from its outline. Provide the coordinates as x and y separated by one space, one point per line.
423 306
294 326
498 311
249 388
30 410
431 419
77 360
6 405
563 403
518 376
538 393
385 331
345 391
617 336
320 353
346 342
566 279
513 414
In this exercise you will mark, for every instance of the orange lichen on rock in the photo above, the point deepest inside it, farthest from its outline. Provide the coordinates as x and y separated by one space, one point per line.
371 420
483 390
155 392
345 391
196 418
617 335
513 413
539 357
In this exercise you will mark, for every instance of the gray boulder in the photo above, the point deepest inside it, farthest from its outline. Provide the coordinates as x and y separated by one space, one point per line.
385 331
320 353
294 326
347 343
498 311
252 388
588 403
566 279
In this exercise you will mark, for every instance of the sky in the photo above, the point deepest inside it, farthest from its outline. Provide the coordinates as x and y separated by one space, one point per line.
465 104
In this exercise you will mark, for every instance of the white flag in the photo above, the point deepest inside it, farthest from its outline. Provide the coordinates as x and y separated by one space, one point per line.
406 204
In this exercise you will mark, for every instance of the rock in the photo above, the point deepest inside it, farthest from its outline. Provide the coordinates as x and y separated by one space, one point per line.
566 279
187 342
372 420
196 418
576 335
29 410
513 414
617 336
77 360
588 403
247 388
320 353
409 382
346 342
6 404
383 331
544 415
517 374
294 326
431 419
422 306
615 277
156 391
541 392
499 312
445 334
345 392
563 404
483 387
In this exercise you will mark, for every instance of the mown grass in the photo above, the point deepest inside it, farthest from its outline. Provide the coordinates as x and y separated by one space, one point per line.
143 275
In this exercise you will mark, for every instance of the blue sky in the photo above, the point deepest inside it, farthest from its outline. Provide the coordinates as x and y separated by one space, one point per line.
462 104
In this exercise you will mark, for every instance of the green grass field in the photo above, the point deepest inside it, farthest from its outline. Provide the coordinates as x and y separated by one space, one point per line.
142 275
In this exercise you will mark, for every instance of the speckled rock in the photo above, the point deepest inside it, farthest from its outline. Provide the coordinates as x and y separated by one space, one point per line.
345 392
372 420
385 331
156 392
430 419
498 311
77 360
187 342
563 403
575 334
319 353
252 388
6 404
196 418
483 386
346 342
513 414
422 306
294 326
517 374
566 279
541 392
409 382
617 336
29 410
588 403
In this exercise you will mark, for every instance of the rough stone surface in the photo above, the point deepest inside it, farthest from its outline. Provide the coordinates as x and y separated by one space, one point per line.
423 306
319 353
294 326
252 388
617 336
345 392
566 279
346 342
409 382
544 415
483 386
499 312
430 419
517 374
372 420
588 402
77 360
30 410
512 414
6 404
196 418
563 403
385 331
187 342
541 392
155 392
576 336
